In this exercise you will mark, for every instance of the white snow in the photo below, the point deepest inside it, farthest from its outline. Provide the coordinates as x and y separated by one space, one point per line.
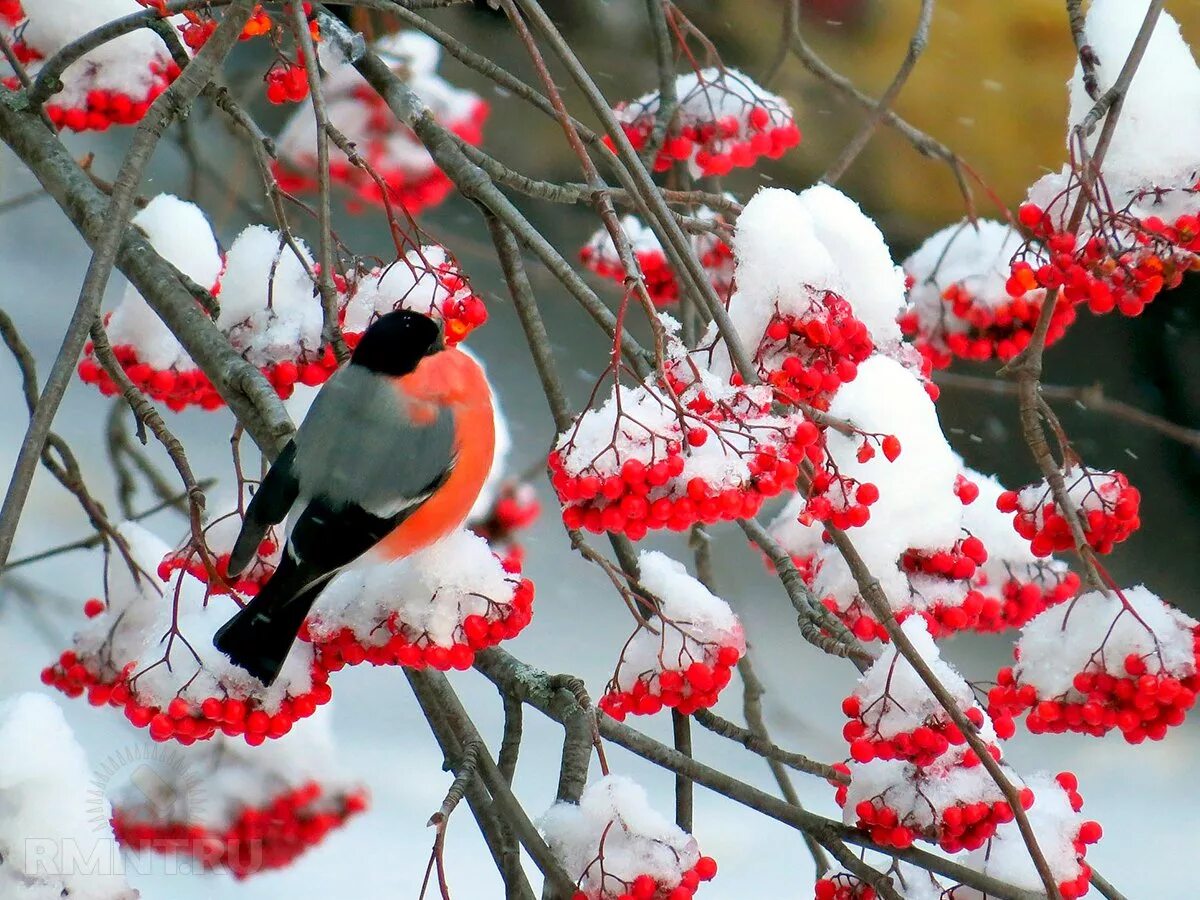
791 248
615 812
917 507
270 306
181 234
53 822
414 282
1156 136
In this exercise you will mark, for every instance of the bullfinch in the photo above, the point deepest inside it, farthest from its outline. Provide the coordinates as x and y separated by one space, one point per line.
389 459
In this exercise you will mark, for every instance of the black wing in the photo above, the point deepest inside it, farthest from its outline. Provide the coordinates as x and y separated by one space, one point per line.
268 506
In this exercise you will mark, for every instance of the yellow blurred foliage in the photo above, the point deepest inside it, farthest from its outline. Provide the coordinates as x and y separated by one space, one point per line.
991 85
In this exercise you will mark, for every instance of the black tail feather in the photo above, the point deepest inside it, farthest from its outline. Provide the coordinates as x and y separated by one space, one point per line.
260 635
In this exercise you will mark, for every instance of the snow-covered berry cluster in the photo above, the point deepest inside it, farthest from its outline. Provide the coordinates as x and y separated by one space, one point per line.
600 255
435 608
690 660
617 847
147 649
223 520
1062 835
724 121
112 84
1108 660
812 345
263 808
893 715
1124 265
1013 584
959 807
963 302
427 279
1106 501
270 310
651 459
395 167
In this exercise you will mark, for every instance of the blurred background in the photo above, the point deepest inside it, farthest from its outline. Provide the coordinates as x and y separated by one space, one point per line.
991 86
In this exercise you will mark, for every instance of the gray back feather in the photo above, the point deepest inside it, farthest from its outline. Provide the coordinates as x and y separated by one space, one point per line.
358 446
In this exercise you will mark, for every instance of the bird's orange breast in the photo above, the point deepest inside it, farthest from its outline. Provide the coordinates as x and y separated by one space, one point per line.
449 379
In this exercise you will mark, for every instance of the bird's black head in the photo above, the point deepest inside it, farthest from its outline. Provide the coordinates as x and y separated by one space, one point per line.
395 343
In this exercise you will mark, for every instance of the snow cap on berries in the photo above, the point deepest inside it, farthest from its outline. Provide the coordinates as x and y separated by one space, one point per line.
180 233
269 303
121 65
614 818
893 699
46 793
787 244
917 507
127 637
1155 140
1063 641
429 593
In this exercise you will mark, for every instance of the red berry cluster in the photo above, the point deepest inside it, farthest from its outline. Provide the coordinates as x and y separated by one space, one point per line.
857 617
686 690
920 746
841 501
1101 275
842 886
185 720
656 272
287 83
641 496
961 826
176 388
960 606
463 311
247 584
1030 590
402 647
1089 832
1108 503
516 508
718 147
806 356
979 330
1140 704
399 182
259 838
11 12
600 256
646 887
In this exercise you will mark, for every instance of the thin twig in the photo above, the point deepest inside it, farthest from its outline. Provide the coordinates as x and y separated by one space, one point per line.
916 46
